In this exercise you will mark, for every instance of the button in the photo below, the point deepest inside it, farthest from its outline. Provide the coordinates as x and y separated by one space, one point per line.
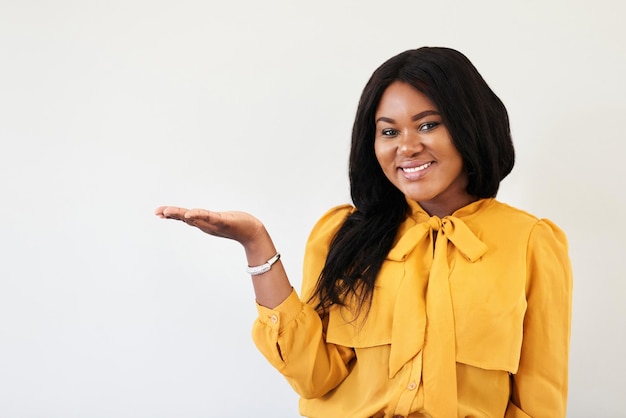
274 318
412 386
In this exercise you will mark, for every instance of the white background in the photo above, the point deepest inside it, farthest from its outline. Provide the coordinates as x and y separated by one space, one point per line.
109 109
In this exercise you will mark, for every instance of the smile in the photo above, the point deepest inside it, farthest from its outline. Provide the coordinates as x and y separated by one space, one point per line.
418 168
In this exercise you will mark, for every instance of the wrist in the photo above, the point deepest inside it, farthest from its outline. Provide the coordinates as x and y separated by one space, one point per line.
259 248
263 268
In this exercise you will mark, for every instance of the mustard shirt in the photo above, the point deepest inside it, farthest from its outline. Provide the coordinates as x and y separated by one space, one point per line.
470 317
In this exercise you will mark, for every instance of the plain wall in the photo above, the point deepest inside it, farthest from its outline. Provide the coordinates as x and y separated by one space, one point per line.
109 109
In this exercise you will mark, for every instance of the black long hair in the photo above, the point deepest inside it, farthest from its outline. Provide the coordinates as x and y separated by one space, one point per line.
478 124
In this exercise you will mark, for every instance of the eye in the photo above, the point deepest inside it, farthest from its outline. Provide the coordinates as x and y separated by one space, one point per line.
427 126
389 132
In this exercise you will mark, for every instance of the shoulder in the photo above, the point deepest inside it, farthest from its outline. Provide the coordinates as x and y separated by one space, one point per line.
330 222
548 237
506 218
507 227
318 244
516 222
502 211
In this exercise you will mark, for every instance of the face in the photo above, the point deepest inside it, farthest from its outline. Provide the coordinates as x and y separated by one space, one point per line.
416 153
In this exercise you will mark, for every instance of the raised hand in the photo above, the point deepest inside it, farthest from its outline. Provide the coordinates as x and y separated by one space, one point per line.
272 287
238 226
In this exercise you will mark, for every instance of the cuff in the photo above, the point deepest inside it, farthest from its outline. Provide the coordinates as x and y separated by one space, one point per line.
281 315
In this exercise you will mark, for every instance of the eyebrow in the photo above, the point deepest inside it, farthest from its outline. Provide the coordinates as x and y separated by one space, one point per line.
414 118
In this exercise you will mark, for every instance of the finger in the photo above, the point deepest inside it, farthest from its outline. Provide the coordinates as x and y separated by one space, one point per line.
199 213
191 222
173 212
206 220
203 218
160 211
214 223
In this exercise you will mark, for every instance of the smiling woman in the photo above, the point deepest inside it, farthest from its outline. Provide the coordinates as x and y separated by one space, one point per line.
427 297
416 152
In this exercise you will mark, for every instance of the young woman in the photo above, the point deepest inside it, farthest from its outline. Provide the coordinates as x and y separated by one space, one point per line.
428 297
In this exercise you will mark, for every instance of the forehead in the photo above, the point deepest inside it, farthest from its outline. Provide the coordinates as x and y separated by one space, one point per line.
401 97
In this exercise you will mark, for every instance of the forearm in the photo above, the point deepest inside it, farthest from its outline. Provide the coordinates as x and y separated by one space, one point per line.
272 287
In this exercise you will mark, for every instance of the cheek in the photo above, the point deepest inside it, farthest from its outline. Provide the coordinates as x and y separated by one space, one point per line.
452 154
458 168
383 153
459 161
378 153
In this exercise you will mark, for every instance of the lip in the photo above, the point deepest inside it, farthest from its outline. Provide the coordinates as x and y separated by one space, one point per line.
414 170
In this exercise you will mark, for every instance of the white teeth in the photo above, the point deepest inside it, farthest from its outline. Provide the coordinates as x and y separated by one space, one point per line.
414 169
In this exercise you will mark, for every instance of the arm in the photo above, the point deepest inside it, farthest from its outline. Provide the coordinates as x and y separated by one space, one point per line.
272 287
292 339
288 332
293 336
539 388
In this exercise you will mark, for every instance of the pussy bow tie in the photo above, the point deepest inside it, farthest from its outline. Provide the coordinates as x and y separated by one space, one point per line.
437 336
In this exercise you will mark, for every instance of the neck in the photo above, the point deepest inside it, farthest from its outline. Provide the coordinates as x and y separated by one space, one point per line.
443 209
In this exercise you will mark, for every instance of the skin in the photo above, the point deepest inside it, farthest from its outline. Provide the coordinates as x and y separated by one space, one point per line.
416 152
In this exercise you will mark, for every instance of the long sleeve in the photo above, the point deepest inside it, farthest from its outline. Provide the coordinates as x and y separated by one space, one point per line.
540 384
292 335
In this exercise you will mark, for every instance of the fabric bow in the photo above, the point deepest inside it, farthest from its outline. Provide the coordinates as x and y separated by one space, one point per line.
424 247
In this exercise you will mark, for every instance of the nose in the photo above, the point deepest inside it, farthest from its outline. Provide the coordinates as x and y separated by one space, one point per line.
410 144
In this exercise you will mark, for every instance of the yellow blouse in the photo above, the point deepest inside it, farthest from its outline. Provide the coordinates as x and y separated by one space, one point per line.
470 317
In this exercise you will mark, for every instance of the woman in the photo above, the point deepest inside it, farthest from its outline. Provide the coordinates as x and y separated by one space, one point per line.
428 297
